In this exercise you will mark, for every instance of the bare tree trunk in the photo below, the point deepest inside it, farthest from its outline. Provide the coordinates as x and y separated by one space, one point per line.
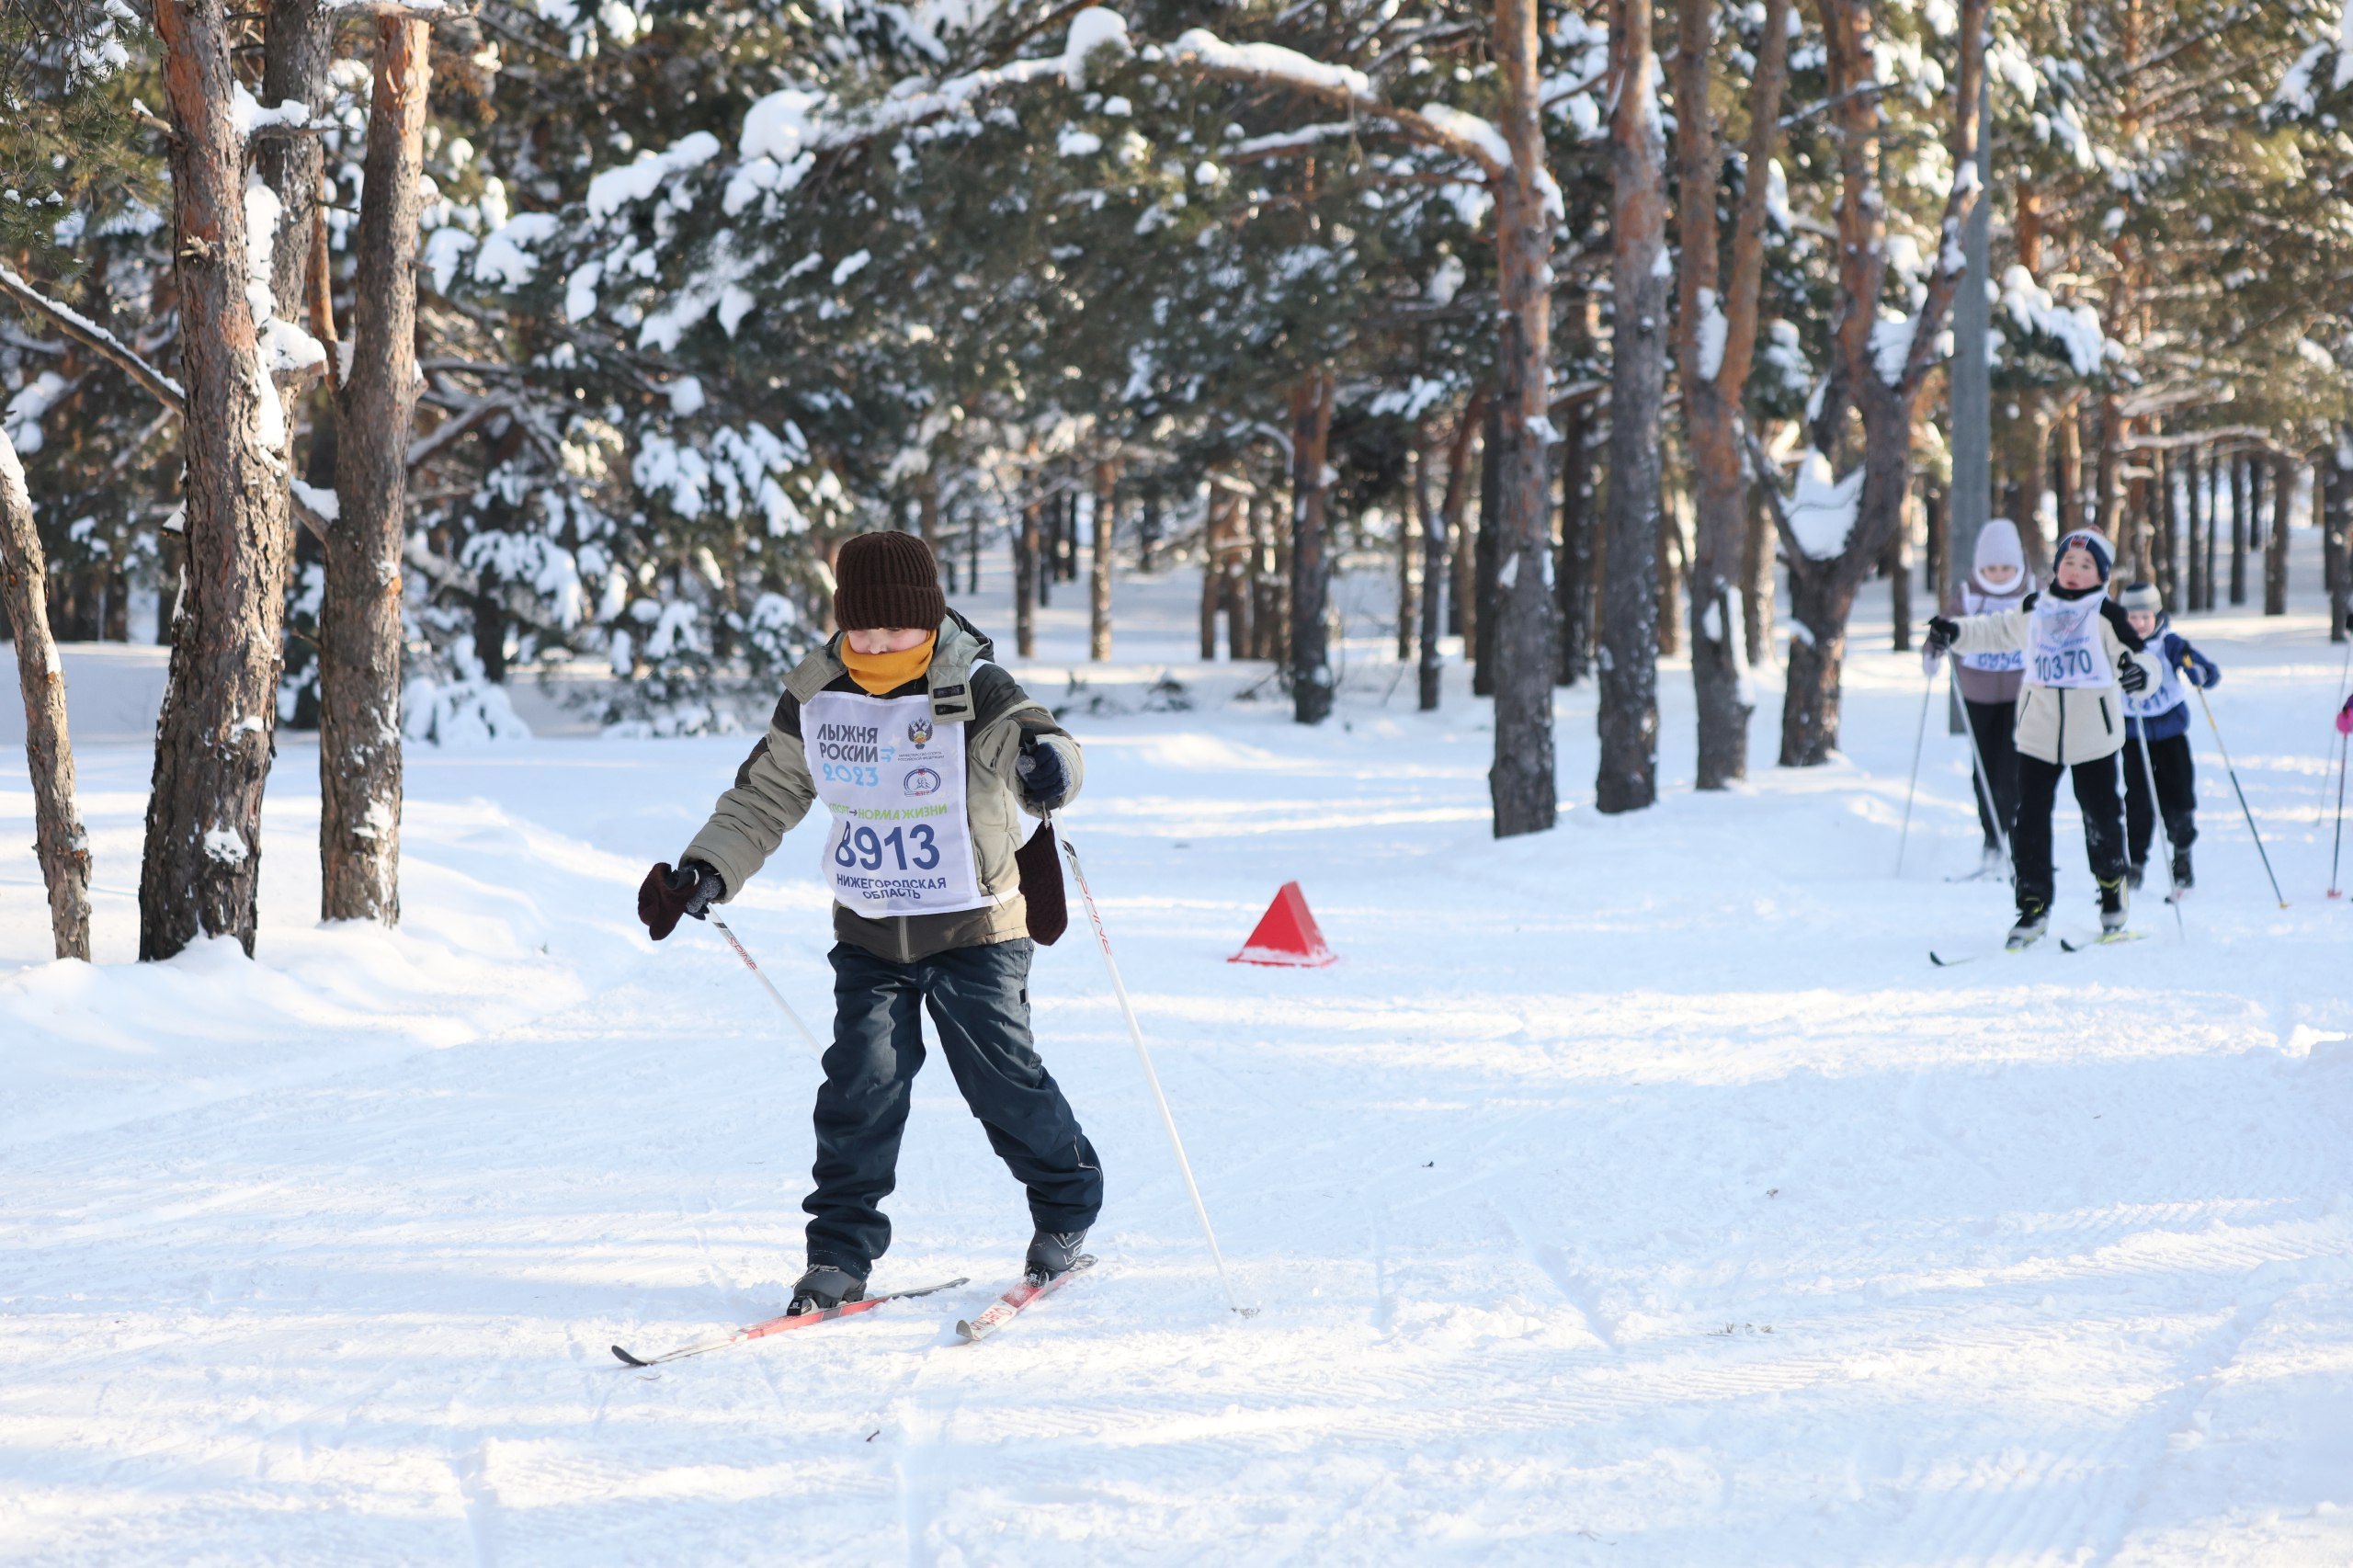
1310 434
2108 492
1670 546
1478 640
2213 514
1098 617
1628 718
1899 583
1432 523
1449 521
2246 485
1720 326
359 617
928 525
1214 583
972 554
1756 549
1521 783
2034 483
2275 556
1148 530
1576 569
2168 534
1935 519
2070 468
201 866
298 48
1409 547
59 843
2337 517
1028 582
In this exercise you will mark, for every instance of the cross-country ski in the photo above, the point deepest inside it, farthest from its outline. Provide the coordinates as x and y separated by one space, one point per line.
790 1321
697 696
1017 1299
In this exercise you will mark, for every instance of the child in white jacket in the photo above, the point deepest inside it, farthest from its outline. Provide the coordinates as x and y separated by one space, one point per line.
2079 649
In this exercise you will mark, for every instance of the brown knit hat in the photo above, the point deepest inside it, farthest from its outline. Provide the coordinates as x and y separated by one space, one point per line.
887 579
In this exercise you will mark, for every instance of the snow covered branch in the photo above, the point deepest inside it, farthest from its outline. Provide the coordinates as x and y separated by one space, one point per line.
1272 65
96 338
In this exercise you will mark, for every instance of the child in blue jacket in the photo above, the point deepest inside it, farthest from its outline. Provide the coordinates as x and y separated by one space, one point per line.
2156 730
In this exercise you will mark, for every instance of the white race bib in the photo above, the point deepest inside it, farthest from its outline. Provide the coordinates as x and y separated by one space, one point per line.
2162 698
2063 643
893 779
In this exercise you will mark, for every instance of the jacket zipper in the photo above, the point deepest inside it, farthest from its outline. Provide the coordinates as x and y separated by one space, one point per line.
2106 723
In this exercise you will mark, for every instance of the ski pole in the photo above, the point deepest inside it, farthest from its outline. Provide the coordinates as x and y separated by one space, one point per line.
1983 780
2343 739
1927 689
2157 814
766 983
1167 1118
2248 811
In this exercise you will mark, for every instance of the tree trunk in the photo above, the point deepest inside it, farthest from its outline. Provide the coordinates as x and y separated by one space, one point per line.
2338 518
1310 435
1628 718
2108 492
1480 637
1899 583
360 616
1670 548
2168 534
1027 584
972 554
1431 521
1576 569
1449 520
2067 470
1148 530
1810 699
59 843
1098 616
1756 606
928 525
2034 483
1936 572
298 48
1409 541
201 866
1214 583
2275 557
2246 494
1713 392
2213 525
1521 783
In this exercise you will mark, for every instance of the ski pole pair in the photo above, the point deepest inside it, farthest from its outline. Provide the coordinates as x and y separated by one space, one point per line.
1135 1032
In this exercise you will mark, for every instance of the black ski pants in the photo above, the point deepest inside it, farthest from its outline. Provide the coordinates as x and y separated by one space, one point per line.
2176 794
2103 808
1994 724
979 999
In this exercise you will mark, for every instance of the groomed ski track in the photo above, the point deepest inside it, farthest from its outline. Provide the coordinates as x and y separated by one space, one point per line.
1630 1194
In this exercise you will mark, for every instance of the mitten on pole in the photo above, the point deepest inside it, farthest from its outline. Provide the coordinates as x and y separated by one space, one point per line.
1943 632
2129 675
667 895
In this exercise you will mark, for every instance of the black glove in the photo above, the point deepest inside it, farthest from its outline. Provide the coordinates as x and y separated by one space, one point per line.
1044 778
666 895
1942 633
2129 675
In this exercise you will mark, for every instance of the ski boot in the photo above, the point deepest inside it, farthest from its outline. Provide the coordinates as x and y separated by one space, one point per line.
824 1287
2134 873
2181 877
2112 901
2034 919
1051 1255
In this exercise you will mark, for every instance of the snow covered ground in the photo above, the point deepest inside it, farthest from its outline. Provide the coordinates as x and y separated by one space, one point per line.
1633 1194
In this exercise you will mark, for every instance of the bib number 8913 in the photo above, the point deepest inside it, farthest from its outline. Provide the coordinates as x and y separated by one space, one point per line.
863 849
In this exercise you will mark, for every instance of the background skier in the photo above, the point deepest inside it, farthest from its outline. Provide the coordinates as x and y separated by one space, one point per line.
2159 718
920 749
1998 581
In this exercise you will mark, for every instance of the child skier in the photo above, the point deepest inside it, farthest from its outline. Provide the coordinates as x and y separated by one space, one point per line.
920 749
2079 649
1998 581
2159 718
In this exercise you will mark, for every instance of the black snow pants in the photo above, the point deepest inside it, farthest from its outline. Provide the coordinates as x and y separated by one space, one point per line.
2176 794
979 999
1993 724
2103 808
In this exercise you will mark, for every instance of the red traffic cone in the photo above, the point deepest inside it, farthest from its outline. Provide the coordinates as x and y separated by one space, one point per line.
1287 935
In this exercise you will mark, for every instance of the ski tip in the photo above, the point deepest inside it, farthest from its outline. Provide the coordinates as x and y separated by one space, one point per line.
628 1360
965 1331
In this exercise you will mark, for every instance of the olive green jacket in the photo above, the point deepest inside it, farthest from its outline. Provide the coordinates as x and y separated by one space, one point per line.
773 791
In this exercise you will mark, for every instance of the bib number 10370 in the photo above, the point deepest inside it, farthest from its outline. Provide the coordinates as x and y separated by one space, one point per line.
905 848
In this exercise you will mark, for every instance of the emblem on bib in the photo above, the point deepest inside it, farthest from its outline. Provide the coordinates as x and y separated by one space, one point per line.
921 781
919 731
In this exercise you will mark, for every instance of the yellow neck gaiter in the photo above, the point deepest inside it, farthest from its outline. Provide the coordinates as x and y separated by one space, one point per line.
881 674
